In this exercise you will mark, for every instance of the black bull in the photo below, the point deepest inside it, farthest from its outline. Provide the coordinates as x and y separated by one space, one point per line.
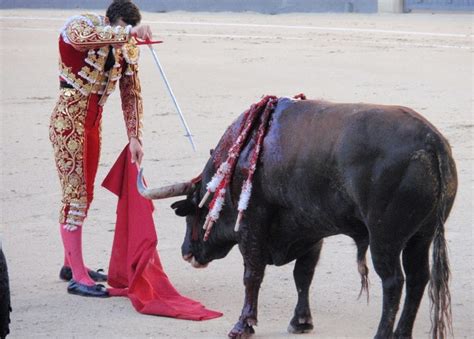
382 175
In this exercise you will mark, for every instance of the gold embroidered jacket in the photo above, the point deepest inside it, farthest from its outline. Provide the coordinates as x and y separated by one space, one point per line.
84 46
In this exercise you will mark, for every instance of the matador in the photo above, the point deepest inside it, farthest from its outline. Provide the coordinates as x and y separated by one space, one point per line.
95 53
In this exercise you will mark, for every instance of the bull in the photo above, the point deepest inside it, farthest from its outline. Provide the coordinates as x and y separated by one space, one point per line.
382 175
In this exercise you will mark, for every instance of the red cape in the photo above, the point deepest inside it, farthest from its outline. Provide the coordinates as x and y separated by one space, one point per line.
135 269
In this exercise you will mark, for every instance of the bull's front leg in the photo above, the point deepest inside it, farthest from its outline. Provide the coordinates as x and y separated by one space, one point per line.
253 277
254 270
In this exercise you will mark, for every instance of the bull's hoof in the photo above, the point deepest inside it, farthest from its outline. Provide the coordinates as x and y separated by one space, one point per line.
300 325
241 331
398 335
384 336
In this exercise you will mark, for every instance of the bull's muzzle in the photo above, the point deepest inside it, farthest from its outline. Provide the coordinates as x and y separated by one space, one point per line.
175 190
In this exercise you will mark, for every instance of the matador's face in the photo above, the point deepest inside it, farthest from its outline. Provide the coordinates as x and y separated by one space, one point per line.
120 22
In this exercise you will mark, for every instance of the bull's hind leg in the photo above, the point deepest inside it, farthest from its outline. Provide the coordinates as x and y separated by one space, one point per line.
397 210
386 260
417 272
388 236
303 272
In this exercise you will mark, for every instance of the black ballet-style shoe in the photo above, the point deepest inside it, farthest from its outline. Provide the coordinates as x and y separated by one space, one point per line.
66 274
95 291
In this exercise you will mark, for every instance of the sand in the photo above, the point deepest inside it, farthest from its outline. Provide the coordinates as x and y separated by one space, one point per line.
217 70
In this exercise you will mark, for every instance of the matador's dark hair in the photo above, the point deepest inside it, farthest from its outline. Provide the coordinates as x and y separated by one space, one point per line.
125 10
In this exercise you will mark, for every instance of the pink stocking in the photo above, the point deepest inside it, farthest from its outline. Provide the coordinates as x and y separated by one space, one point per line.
72 241
66 260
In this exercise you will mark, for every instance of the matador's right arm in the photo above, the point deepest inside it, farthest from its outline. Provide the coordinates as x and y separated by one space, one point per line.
90 31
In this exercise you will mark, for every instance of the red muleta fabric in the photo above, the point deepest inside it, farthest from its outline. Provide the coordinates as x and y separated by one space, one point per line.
135 269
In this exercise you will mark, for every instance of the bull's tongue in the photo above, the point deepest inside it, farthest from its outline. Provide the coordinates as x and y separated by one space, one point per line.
188 257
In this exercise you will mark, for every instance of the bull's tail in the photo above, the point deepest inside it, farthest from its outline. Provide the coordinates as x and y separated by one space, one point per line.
441 323
439 289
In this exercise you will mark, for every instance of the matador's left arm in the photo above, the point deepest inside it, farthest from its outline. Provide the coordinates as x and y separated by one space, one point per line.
130 92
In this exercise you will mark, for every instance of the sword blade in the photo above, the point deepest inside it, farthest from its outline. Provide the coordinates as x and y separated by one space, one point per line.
170 91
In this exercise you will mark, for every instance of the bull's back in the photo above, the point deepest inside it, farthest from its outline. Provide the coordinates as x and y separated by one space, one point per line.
321 159
307 140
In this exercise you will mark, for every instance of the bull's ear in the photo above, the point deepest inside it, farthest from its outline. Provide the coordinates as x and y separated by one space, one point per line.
183 208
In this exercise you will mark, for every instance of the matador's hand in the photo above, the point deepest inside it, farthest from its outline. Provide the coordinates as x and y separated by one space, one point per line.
136 150
142 32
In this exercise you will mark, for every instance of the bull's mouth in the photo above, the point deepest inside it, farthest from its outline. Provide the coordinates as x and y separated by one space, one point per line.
194 263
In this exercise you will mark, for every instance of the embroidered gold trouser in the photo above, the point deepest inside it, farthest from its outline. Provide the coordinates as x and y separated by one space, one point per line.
75 134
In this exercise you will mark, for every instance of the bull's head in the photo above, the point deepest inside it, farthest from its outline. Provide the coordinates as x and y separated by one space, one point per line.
194 249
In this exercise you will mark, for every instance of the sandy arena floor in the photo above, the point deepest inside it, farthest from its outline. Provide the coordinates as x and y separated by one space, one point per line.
218 64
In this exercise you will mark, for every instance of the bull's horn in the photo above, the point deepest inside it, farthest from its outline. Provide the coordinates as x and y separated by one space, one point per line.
163 192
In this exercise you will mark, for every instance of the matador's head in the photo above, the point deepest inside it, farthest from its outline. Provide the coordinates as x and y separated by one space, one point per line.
123 13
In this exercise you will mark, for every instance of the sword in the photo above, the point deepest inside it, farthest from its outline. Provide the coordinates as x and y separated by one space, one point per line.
181 116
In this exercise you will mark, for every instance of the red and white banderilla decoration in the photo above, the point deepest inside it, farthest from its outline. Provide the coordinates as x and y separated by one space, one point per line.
221 179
